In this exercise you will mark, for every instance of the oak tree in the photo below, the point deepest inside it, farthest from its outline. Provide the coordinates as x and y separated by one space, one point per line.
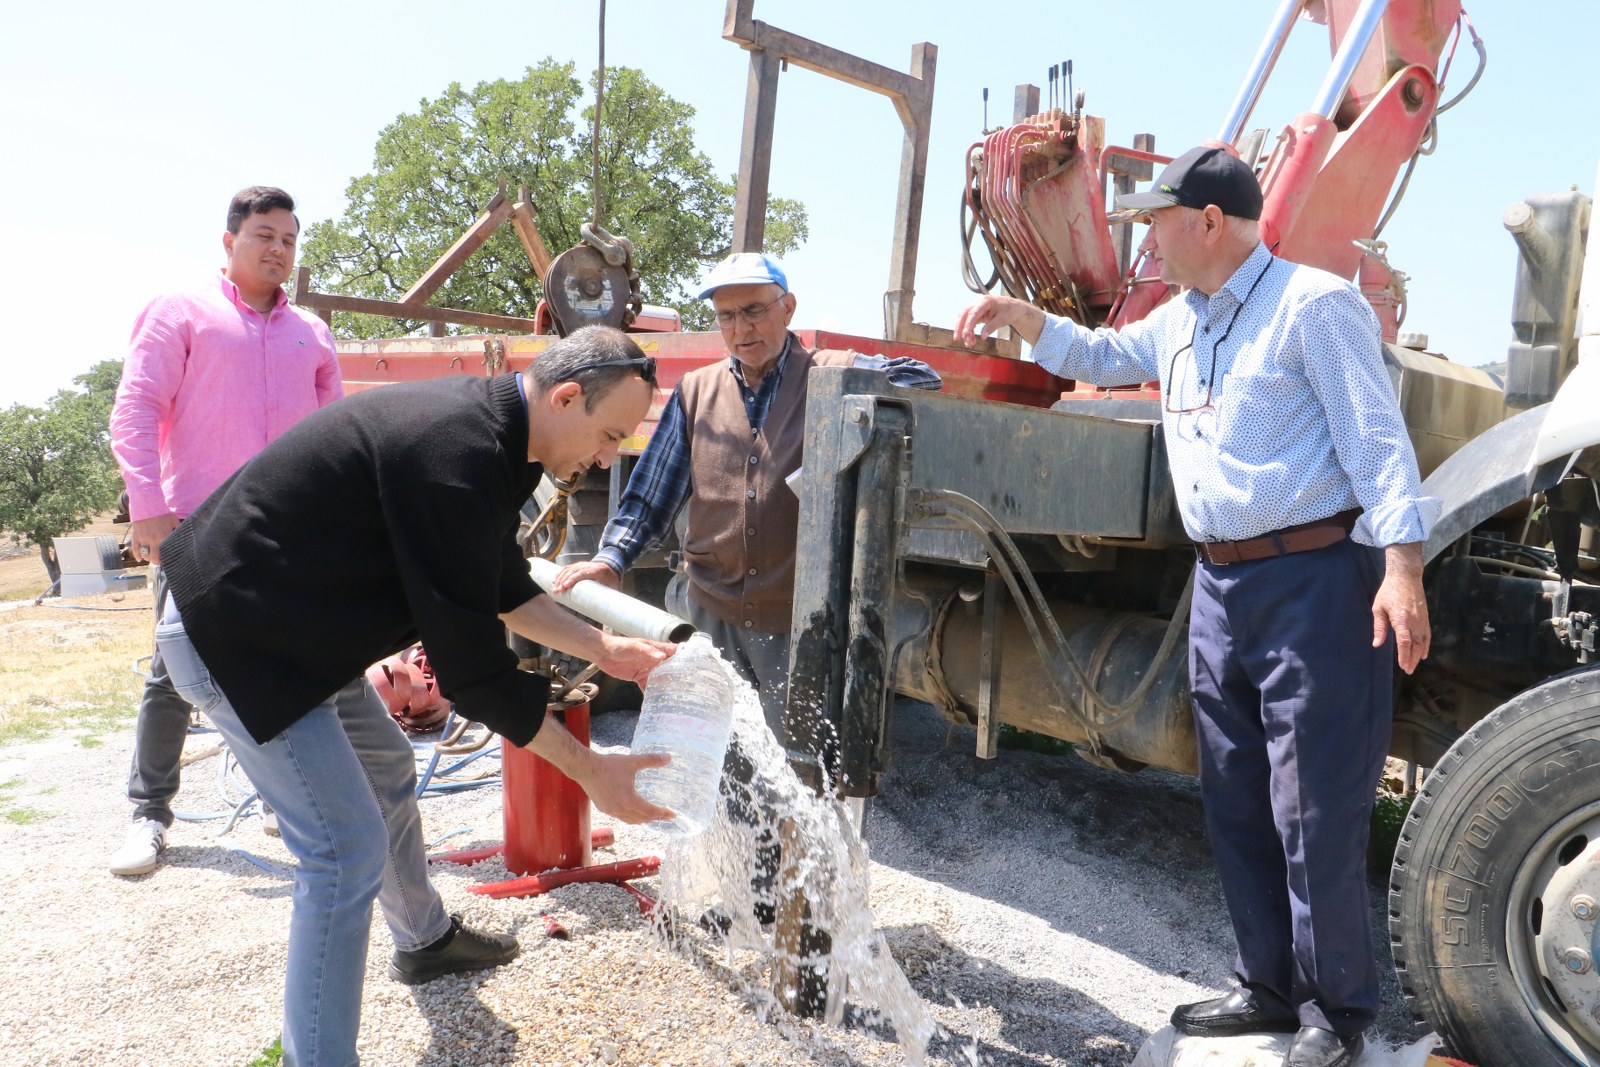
434 170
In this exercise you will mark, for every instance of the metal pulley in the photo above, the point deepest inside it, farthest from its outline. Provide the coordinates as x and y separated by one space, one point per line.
593 283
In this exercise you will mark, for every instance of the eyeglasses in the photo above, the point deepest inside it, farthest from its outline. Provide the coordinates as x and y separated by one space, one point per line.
1211 375
751 313
646 365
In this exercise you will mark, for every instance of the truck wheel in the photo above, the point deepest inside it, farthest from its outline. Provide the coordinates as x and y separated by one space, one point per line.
1495 889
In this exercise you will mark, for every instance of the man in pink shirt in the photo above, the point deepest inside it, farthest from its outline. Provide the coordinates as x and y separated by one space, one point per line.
211 377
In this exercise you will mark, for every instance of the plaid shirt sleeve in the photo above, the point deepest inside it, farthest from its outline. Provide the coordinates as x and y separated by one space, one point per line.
902 370
657 489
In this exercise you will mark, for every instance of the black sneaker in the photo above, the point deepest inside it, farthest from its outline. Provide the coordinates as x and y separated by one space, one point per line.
467 950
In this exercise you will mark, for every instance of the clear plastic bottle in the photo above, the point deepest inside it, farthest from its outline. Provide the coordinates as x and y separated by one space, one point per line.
687 713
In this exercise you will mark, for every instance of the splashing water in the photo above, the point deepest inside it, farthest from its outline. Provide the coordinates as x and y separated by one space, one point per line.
824 865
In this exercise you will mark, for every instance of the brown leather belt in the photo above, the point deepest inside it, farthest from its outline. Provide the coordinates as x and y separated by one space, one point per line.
1305 537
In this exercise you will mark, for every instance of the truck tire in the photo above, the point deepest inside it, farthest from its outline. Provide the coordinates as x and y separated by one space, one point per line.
1496 878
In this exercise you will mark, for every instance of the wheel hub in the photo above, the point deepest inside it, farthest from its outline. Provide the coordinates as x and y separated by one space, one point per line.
1553 933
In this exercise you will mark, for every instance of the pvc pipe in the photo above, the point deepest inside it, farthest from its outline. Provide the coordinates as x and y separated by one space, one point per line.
607 606
1355 42
1260 69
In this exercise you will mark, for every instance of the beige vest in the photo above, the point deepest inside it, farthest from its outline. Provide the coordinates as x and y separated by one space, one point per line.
740 545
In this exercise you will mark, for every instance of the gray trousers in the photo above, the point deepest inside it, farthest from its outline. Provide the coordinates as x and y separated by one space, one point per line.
158 735
762 659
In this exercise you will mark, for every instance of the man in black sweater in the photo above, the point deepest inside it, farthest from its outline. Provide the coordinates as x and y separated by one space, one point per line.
384 519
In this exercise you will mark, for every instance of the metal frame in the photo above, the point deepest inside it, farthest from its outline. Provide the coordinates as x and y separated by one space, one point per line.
771 51
413 305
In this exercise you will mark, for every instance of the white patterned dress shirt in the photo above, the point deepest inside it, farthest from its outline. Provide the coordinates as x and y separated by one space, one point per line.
1277 409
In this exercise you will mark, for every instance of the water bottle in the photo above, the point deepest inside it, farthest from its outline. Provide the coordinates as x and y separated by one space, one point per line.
687 713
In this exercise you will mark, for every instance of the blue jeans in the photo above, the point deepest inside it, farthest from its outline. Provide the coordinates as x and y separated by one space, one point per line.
343 782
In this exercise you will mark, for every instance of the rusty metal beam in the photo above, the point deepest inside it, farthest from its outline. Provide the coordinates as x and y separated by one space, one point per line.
913 179
755 35
755 153
321 302
497 211
910 92
528 233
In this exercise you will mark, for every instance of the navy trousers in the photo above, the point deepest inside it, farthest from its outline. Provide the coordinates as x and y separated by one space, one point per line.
1293 706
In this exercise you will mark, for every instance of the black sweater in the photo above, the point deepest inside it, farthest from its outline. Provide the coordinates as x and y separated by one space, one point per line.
383 519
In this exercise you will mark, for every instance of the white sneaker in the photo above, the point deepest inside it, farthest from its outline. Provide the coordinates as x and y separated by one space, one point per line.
140 848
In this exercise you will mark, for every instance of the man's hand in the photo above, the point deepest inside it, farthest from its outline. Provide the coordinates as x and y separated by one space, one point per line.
1401 605
145 536
980 319
543 620
611 789
631 659
606 777
592 570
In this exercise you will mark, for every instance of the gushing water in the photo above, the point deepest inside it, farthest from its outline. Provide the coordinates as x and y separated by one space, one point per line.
732 870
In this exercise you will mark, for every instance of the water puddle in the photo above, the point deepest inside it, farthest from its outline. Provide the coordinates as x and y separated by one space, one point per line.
824 875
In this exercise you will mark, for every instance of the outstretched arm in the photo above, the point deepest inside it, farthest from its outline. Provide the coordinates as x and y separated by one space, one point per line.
979 320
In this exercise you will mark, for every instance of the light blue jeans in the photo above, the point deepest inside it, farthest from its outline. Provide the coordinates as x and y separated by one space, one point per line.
343 782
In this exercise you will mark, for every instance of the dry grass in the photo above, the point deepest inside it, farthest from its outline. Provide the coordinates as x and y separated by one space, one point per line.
68 665
22 573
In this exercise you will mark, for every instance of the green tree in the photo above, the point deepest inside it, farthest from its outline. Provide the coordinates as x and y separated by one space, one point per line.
56 467
433 172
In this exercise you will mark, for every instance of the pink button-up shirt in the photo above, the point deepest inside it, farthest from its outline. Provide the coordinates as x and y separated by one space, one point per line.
207 383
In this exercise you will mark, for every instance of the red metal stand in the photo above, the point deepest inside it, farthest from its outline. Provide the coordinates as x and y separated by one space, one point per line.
546 818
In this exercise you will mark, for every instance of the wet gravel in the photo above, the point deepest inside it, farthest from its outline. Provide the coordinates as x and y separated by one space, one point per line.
1049 913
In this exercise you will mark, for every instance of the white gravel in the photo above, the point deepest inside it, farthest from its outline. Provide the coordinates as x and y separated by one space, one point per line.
1048 912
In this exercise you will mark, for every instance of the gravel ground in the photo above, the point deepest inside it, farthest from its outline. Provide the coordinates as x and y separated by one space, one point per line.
1048 912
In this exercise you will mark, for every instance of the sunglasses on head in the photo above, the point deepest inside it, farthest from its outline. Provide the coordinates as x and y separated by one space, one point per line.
646 365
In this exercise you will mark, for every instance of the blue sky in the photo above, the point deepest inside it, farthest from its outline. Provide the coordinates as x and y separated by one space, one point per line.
126 128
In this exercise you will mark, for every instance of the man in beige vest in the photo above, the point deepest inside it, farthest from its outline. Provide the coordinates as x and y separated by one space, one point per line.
728 437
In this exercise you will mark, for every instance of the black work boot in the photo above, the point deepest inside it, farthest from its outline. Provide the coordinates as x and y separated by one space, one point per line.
462 949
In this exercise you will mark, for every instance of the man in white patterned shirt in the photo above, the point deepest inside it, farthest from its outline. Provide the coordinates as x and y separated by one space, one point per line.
1296 480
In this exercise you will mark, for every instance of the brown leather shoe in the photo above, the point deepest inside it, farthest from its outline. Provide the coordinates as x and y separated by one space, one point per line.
1316 1047
1244 1011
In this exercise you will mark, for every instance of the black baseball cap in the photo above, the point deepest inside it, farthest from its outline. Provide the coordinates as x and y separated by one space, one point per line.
1199 177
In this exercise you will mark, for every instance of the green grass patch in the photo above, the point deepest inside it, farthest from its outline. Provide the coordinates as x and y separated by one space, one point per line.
271 1056
1028 741
71 668
1388 816
16 814
112 703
